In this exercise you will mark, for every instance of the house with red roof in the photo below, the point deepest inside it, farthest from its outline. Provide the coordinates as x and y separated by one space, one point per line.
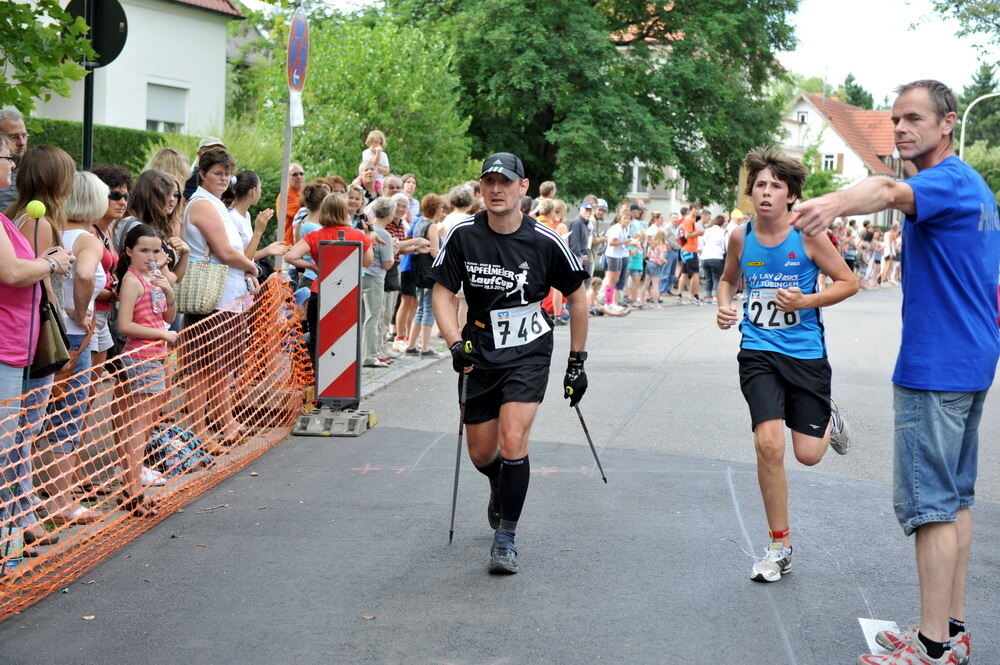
853 142
171 74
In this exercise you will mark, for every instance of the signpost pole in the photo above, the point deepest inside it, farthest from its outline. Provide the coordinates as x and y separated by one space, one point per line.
283 198
297 61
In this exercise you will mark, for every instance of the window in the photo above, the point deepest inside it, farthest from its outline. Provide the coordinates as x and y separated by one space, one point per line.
802 116
165 108
829 162
639 184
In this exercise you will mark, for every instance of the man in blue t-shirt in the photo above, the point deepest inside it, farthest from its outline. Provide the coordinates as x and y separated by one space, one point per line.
947 358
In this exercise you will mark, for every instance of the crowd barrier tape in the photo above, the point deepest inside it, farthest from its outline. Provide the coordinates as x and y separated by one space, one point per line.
235 384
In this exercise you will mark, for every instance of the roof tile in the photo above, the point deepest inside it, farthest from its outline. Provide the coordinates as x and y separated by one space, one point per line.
868 133
217 6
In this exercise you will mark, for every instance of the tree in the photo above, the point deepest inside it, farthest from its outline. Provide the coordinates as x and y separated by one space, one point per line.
391 77
986 160
856 95
581 89
819 181
984 120
974 16
40 48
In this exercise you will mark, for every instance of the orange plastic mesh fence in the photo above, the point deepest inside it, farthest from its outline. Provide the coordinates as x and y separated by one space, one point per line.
73 453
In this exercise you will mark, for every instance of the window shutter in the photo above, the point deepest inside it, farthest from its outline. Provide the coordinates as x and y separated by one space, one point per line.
840 162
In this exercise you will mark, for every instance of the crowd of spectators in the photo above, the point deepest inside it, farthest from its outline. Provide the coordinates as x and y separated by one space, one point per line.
112 248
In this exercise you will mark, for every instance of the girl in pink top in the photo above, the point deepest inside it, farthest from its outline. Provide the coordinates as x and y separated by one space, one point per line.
143 317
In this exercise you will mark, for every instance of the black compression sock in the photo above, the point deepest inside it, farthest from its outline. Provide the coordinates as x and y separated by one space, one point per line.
934 649
955 627
491 470
513 487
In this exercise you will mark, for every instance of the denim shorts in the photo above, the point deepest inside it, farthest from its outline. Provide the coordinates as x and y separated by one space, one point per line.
936 454
144 376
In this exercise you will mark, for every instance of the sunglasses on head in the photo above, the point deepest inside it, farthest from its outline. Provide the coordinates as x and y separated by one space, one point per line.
117 196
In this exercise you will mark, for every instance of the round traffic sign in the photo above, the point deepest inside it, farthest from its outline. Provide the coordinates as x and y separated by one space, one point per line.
298 51
108 27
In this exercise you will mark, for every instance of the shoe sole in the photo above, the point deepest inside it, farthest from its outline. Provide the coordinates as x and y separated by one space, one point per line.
502 569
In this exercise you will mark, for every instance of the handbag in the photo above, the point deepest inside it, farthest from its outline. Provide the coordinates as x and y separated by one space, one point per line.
52 350
201 289
392 278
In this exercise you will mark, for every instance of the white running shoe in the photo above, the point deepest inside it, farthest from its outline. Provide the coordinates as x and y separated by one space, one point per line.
777 561
840 433
152 477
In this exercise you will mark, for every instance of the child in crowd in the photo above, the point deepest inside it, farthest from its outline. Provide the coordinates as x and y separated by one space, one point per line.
376 152
656 258
145 309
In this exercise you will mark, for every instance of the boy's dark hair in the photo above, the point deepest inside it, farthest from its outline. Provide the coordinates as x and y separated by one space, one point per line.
785 169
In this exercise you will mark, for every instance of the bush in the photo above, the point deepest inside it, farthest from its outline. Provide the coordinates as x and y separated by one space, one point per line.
112 145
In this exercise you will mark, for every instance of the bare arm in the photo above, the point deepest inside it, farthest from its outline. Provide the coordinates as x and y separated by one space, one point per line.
88 250
828 260
726 316
434 236
19 272
579 318
444 304
206 219
295 254
870 195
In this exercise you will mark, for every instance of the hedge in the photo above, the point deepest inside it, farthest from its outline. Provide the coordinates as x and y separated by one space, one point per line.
112 145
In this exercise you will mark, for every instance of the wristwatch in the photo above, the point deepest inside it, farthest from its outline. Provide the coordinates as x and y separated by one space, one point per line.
578 355
53 266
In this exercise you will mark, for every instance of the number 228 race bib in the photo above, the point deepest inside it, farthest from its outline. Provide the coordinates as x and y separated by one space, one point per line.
763 312
518 325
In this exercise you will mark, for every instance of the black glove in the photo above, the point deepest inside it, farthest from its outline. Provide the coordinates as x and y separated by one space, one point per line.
461 356
575 382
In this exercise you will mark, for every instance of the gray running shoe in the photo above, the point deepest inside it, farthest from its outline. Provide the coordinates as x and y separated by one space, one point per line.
894 641
503 561
777 561
840 433
493 510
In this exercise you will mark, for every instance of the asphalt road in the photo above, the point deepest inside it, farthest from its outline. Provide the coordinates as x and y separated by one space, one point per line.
337 551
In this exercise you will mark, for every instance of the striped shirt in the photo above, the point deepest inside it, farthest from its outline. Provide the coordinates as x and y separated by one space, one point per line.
143 315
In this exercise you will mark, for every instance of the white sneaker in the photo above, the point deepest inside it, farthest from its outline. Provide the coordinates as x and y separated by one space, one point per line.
840 433
151 477
777 561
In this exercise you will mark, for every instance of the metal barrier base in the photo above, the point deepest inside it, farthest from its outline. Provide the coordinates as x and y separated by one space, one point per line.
332 422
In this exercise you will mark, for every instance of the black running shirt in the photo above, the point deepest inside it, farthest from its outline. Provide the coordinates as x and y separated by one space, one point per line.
505 278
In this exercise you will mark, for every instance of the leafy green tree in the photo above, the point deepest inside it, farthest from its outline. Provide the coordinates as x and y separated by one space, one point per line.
581 89
856 95
986 159
41 47
984 120
394 78
974 16
819 181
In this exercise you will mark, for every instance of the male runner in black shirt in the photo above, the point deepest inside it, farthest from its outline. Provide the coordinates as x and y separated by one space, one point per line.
506 263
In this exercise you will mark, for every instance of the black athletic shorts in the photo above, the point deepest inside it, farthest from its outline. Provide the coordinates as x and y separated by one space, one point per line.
489 388
691 266
407 287
779 386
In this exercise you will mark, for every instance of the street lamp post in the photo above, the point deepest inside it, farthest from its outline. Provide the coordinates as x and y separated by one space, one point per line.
965 116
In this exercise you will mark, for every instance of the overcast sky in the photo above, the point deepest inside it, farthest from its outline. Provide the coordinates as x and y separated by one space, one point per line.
874 40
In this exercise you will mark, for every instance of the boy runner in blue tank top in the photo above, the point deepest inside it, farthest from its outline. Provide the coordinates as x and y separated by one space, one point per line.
784 373
947 357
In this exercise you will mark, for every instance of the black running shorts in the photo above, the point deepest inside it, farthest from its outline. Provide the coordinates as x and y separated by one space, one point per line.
691 266
777 386
489 388
407 287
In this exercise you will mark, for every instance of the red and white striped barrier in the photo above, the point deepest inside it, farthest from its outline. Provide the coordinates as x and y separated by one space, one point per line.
338 347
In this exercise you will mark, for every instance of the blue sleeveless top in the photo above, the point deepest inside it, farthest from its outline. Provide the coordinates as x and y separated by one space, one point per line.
767 269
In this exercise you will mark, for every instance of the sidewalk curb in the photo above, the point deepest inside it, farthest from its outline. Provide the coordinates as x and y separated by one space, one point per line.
404 366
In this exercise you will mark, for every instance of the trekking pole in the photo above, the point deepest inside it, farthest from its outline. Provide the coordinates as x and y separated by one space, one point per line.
464 381
591 442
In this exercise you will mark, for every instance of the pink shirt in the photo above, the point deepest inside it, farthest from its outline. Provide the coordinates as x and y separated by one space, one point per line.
18 308
143 314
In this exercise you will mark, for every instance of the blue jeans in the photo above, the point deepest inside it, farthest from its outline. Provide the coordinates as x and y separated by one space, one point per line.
13 503
67 415
936 454
425 315
667 276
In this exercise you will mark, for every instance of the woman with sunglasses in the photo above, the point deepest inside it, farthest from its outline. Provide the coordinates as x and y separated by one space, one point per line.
118 181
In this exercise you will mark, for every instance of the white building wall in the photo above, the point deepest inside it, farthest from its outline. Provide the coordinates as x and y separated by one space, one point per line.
168 44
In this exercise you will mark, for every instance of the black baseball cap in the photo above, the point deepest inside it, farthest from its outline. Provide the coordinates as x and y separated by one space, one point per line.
504 163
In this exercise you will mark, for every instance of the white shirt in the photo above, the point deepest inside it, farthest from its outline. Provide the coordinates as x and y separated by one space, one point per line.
236 286
715 243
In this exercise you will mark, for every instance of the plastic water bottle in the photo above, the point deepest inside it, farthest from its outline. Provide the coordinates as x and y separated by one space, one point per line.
13 549
158 297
